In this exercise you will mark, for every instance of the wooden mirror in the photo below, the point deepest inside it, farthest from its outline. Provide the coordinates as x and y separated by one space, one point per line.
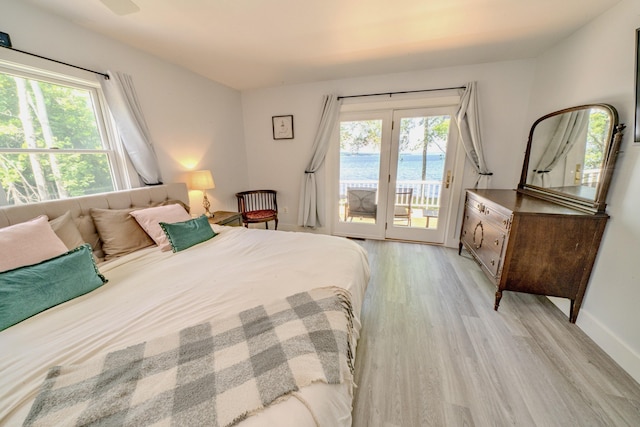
570 156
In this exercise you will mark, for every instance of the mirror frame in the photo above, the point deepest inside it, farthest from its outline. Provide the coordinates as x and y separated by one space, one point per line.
598 204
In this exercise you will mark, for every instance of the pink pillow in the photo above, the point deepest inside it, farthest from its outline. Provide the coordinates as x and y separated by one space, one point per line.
28 243
150 219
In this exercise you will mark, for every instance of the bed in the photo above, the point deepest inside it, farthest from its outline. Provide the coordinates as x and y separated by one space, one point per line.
151 294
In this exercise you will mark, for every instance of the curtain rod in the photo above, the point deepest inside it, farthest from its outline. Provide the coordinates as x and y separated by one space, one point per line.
397 93
106 76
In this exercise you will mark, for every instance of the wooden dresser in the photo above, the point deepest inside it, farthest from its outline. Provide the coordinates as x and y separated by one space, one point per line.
527 244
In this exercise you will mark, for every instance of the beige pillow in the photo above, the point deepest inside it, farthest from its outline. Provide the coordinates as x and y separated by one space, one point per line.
119 232
28 243
67 231
150 219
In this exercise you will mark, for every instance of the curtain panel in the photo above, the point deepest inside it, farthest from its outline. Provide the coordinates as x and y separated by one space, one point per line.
571 127
132 127
311 208
468 120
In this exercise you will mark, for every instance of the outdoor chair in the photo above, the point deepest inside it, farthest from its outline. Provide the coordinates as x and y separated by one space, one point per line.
361 203
402 208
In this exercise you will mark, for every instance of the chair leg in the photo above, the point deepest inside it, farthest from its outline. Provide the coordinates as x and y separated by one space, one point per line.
266 225
276 226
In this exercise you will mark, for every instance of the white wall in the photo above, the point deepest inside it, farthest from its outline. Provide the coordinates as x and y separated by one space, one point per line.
194 122
504 95
596 64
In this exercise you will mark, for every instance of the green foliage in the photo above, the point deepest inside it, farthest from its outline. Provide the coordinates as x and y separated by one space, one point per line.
596 139
70 114
357 135
417 134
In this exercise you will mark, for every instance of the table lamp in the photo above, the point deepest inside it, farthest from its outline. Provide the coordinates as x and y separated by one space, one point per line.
203 180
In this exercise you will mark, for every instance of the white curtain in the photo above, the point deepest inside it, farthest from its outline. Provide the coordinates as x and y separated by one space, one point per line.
571 127
311 209
468 121
136 139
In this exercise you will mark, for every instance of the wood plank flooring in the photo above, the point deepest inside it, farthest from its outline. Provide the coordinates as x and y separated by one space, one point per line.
433 352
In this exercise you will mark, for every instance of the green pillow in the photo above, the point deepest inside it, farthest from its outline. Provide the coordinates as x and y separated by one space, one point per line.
183 235
28 290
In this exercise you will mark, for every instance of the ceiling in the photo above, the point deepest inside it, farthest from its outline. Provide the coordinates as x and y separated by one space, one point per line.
248 44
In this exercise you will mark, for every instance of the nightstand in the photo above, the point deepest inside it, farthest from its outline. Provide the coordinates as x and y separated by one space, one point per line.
233 219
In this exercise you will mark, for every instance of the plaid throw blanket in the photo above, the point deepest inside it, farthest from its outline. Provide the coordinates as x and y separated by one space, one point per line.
216 373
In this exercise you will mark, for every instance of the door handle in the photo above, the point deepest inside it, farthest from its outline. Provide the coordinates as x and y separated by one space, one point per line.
447 182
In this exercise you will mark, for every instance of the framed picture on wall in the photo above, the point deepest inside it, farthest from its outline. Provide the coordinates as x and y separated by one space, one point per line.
282 127
636 135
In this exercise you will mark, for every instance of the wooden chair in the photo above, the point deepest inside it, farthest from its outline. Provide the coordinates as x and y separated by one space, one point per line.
258 206
402 208
361 203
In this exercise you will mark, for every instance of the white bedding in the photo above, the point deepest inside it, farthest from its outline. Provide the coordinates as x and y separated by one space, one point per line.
151 293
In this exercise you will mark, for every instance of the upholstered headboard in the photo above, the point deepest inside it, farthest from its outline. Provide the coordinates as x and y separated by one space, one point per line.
80 206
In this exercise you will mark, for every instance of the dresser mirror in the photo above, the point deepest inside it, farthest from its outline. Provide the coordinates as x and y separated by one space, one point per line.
570 156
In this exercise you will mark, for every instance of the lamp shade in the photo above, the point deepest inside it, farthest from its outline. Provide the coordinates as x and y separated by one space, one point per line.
201 180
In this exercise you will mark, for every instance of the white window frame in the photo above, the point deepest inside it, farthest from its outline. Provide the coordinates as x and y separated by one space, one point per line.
112 147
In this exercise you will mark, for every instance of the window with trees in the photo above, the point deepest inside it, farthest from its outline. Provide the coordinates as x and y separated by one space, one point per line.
53 140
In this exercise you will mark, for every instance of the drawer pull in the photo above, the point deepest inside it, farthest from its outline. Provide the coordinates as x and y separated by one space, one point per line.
481 237
497 242
493 262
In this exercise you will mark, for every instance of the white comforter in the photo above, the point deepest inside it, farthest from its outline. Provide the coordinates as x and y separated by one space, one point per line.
151 293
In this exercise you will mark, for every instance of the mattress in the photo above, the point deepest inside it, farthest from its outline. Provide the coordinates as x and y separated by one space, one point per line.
152 293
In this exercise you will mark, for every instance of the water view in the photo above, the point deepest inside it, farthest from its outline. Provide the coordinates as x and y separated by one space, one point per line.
357 167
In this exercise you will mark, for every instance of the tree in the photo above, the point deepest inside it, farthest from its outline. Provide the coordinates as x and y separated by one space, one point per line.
435 132
30 138
596 139
356 135
47 116
40 111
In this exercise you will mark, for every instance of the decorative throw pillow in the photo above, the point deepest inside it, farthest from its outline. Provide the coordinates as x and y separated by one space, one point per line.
183 235
172 202
28 290
119 231
28 243
67 231
150 219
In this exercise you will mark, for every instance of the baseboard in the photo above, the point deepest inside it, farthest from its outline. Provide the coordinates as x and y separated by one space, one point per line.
619 351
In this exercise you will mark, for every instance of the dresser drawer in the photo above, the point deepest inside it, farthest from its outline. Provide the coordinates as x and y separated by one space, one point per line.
484 240
495 214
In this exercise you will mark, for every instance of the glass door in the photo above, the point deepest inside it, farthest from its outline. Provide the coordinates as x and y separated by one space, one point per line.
363 161
420 174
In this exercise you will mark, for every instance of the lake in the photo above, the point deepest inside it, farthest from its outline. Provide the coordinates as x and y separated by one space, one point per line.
357 167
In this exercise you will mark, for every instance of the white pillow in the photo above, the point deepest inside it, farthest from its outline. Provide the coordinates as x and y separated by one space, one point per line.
150 219
28 243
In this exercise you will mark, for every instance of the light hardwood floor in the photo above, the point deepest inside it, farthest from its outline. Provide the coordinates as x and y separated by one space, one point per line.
432 352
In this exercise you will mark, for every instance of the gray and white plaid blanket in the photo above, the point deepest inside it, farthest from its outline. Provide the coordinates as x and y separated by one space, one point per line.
216 373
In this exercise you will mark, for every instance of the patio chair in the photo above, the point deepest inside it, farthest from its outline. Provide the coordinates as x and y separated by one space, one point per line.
402 208
258 206
361 203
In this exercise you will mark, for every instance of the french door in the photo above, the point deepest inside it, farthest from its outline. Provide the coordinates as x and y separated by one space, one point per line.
395 173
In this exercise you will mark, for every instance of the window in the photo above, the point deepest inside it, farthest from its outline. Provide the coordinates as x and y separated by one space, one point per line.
53 140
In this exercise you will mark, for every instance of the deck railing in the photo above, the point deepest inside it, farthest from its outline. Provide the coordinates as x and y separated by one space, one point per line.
426 194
